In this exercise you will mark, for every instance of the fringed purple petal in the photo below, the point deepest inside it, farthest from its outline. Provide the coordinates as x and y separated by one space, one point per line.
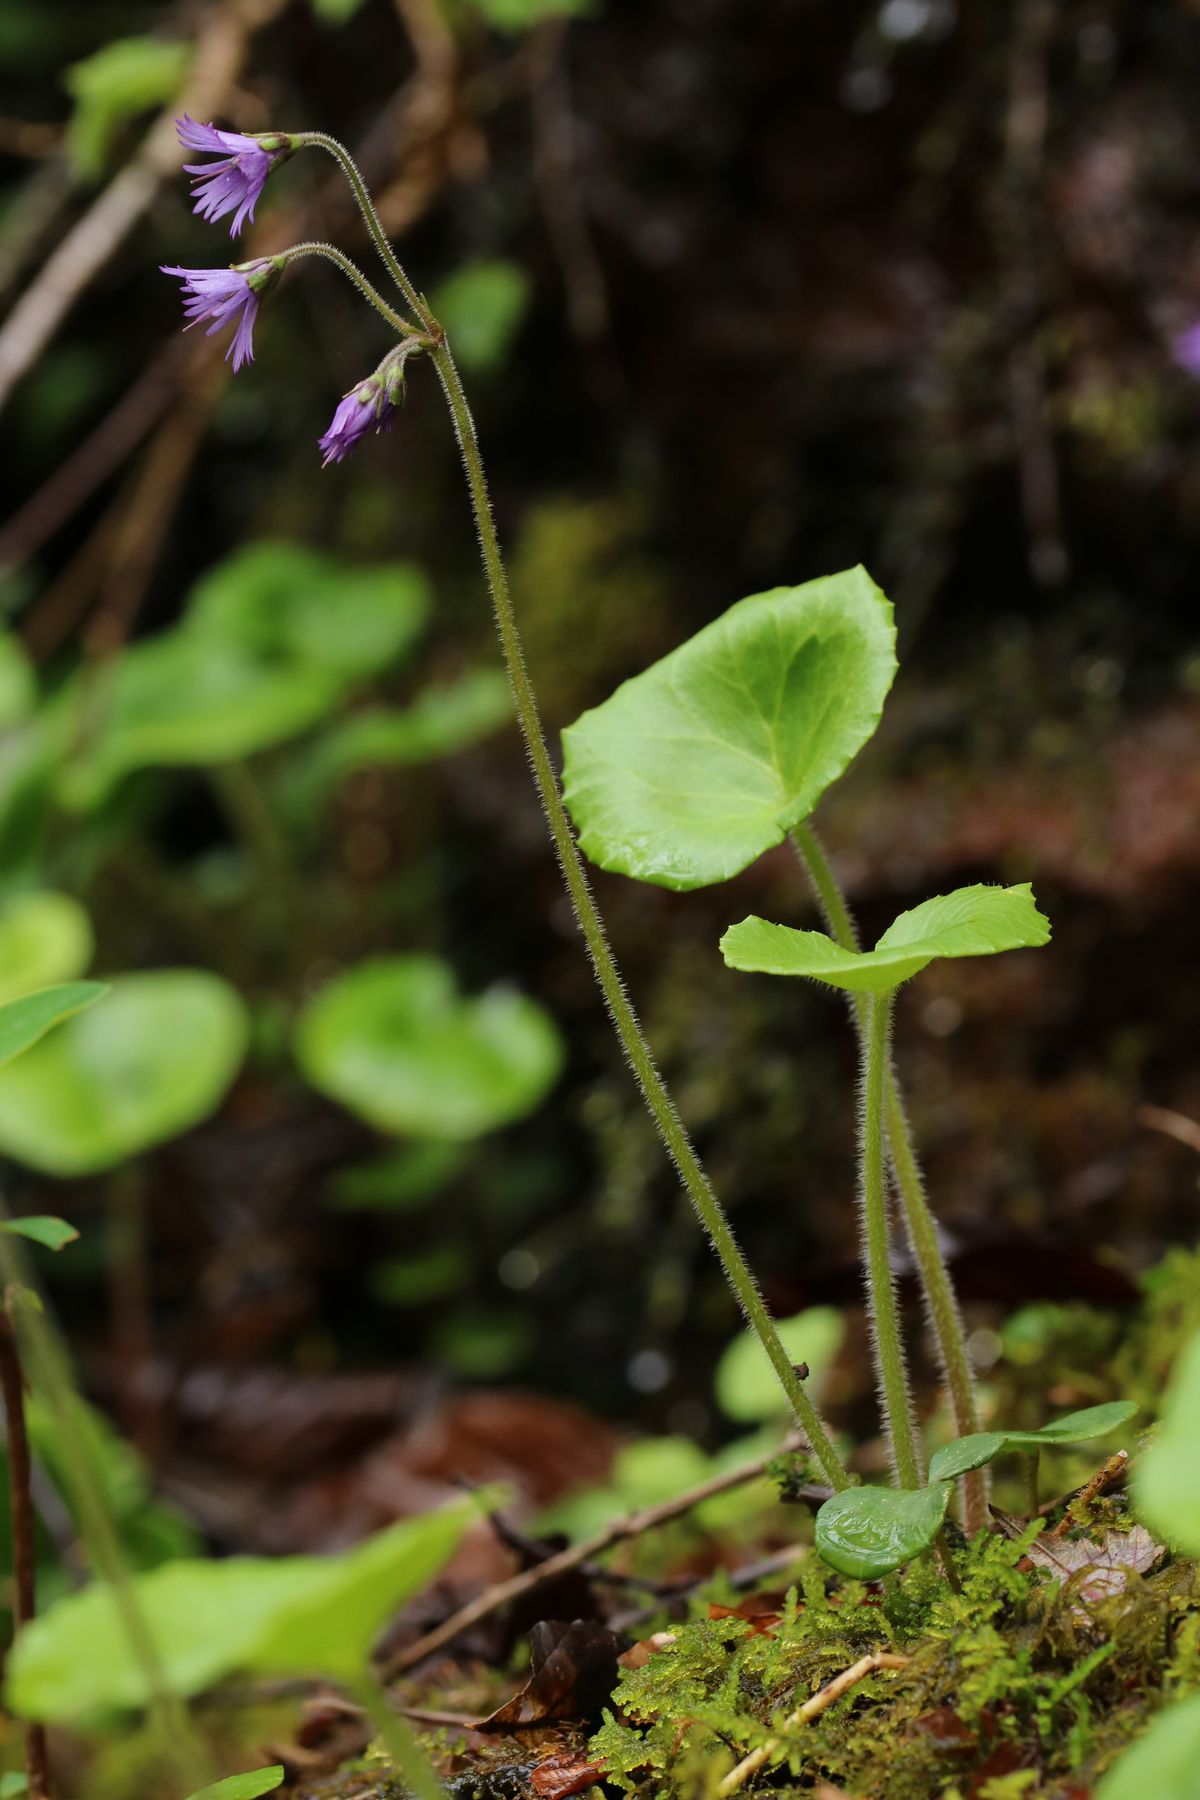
224 297
362 410
233 185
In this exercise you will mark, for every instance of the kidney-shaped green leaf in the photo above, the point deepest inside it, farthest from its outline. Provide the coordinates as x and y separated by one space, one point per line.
695 767
395 1042
1166 1479
284 602
44 938
151 1062
965 1454
972 921
249 1786
25 1021
869 1531
42 1228
317 1614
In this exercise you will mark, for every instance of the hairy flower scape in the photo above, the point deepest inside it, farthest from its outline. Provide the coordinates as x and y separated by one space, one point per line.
227 297
233 184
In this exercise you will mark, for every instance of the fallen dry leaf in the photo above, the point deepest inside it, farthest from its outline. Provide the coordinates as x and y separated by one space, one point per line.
564 1774
573 1672
1096 1568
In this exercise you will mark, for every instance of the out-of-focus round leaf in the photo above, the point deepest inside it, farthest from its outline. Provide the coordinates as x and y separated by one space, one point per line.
43 1229
187 700
747 1387
395 1042
869 1531
1166 1481
283 602
1162 1764
26 1020
153 1061
45 938
691 770
481 307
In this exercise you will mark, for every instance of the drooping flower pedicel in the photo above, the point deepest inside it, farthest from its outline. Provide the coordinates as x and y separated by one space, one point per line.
228 297
235 183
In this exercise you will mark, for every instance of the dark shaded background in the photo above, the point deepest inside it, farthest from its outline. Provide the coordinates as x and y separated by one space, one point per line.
812 282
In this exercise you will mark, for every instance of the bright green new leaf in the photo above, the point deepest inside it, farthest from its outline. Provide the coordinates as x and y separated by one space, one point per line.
694 768
153 1061
481 307
283 603
45 938
869 1531
747 1387
1162 1764
312 1615
25 1021
41 1228
395 1042
972 921
13 1785
440 721
113 86
965 1454
18 684
244 1787
1166 1480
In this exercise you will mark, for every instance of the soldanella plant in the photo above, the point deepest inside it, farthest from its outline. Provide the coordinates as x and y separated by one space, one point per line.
683 778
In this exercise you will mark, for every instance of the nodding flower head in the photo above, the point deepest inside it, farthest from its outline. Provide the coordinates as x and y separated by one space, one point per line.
228 297
235 182
370 406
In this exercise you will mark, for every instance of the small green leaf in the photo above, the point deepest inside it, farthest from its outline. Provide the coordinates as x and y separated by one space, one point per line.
13 1785
395 1042
972 921
1162 1764
315 1615
244 1787
869 1531
481 307
1166 1479
153 1061
1076 1427
965 1454
23 1022
694 768
45 938
440 721
51 1233
747 1387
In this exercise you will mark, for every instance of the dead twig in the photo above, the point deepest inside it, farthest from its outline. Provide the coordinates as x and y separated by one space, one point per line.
634 1525
1171 1124
841 1684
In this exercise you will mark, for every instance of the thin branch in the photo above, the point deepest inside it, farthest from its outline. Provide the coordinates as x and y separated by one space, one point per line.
841 1684
502 1593
1171 1124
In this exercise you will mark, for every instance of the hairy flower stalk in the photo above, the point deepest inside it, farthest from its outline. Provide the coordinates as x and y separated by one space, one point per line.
936 1282
368 407
234 183
229 297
